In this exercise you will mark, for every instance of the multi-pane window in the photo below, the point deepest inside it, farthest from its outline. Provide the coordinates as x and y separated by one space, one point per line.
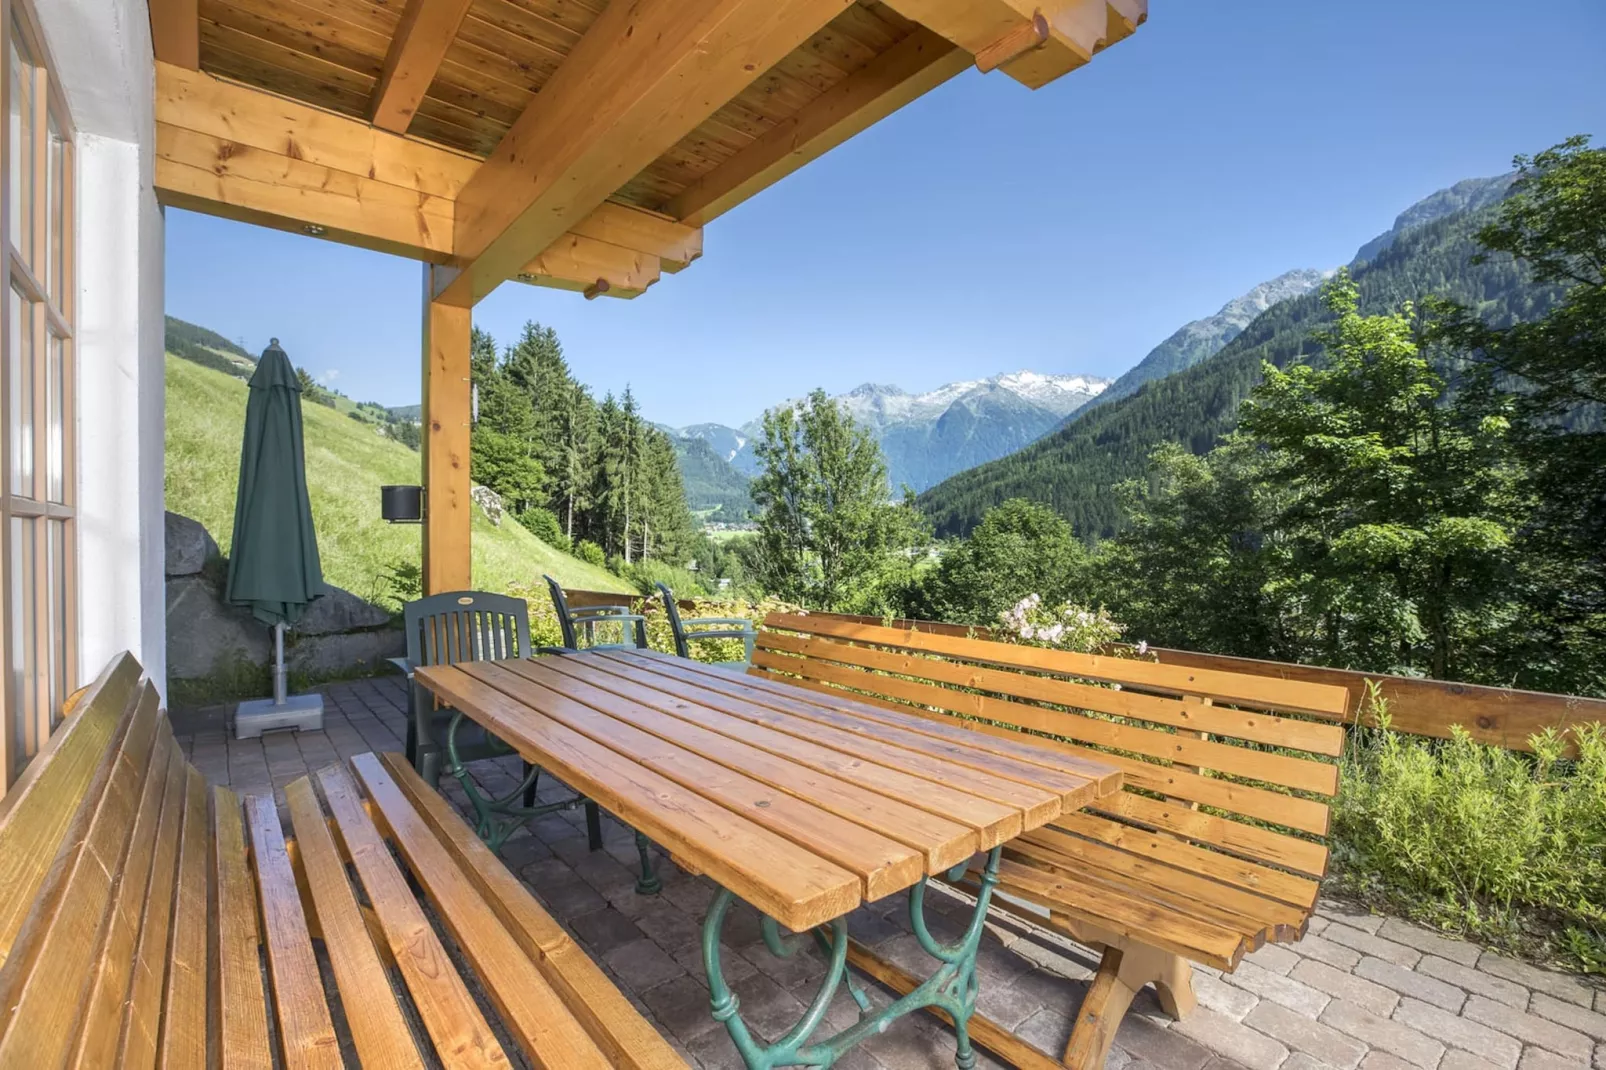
38 625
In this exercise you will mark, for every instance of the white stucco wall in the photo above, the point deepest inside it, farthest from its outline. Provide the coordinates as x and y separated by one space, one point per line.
101 51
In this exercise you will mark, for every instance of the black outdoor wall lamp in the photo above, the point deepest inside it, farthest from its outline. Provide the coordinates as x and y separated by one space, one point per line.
401 504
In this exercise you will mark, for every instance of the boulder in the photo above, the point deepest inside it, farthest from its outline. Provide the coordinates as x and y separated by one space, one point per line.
340 611
188 545
354 653
206 637
489 501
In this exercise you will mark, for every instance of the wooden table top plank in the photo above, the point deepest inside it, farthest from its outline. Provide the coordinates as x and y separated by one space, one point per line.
992 822
790 884
1014 760
941 843
1039 805
883 865
1019 749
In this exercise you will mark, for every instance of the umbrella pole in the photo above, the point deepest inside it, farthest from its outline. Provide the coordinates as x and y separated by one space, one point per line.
280 690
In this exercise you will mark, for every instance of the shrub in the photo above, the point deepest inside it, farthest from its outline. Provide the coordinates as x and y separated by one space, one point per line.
590 553
1508 847
543 524
650 572
1065 627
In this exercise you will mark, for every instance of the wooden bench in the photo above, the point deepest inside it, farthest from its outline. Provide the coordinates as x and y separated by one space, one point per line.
1214 847
146 920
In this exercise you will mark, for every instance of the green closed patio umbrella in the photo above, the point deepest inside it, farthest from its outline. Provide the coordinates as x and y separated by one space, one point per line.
273 560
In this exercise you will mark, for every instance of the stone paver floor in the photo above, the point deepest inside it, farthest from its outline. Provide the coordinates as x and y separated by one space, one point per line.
1359 991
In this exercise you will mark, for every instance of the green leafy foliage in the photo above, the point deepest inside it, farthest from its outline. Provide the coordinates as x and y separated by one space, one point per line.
828 538
1021 548
1508 847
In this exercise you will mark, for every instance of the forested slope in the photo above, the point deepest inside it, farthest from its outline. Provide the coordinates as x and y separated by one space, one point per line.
1075 469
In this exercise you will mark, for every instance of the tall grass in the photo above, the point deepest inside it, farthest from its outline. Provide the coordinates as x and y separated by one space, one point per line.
1507 847
347 463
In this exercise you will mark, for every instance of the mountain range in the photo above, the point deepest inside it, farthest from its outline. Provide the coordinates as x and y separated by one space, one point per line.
929 436
1428 251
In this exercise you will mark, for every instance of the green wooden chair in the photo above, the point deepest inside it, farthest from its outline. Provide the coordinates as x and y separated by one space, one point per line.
689 631
454 627
575 622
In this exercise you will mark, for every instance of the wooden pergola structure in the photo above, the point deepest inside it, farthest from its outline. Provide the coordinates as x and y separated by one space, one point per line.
580 144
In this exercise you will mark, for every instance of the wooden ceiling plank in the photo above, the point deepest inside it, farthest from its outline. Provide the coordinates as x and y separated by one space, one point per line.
176 32
914 66
426 31
644 76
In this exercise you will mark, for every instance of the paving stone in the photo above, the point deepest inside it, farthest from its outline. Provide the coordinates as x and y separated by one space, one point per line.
1561 985
1458 1032
1429 942
1465 1060
1352 914
1324 950
1295 995
1382 1060
1475 981
1315 925
1529 1028
1304 1034
1273 957
1223 998
1049 1029
1162 1047
1410 983
1540 1059
643 962
1300 1061
604 930
1233 1039
681 1005
1568 1014
1396 1038
1367 944
1363 993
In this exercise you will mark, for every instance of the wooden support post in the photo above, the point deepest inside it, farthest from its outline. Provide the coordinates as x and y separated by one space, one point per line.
448 504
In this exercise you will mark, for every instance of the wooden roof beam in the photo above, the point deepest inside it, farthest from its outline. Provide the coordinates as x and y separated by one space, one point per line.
426 31
176 32
230 150
645 75
1000 33
916 65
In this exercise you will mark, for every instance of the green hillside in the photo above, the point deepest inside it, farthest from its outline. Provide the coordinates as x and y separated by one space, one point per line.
711 482
1074 469
347 462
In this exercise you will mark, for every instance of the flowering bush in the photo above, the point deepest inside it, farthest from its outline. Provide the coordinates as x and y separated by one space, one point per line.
1065 627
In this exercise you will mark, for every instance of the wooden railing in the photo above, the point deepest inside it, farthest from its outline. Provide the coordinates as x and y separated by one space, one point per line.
1499 716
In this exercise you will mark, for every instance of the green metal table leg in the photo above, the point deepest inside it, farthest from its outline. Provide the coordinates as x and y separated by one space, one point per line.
648 883
498 817
951 987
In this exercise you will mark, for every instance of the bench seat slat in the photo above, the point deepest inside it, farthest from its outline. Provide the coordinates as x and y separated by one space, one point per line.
379 1032
461 1036
141 1021
549 1034
184 1005
628 1038
49 977
241 1003
306 1031
103 1012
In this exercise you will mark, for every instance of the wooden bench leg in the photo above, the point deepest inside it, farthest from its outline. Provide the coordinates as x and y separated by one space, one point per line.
1122 974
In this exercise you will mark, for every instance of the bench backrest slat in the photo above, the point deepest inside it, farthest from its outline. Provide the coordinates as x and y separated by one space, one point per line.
1256 751
47 978
35 813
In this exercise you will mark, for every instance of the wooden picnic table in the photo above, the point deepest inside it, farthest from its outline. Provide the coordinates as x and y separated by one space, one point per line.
803 804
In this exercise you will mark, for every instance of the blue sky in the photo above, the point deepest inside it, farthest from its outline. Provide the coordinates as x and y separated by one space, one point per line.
987 228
